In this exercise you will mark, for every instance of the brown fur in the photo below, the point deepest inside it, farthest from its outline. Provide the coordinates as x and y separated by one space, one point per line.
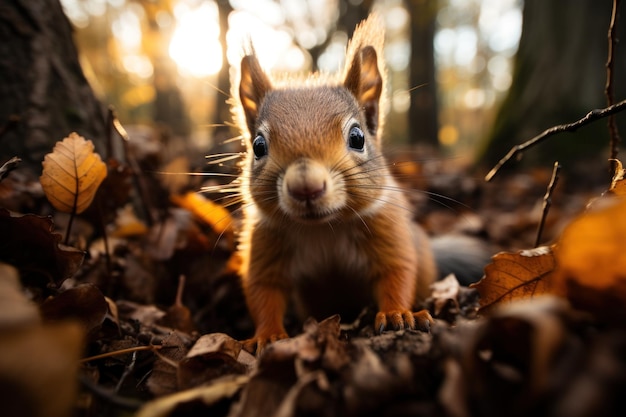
326 226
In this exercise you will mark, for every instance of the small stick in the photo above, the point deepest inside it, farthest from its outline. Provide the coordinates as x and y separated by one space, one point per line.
120 352
547 201
608 90
590 117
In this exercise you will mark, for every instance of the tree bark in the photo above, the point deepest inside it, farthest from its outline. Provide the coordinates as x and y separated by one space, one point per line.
559 75
42 83
423 121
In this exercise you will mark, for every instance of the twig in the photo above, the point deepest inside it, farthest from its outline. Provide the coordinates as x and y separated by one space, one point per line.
9 166
108 394
608 90
127 370
121 352
547 201
136 169
590 117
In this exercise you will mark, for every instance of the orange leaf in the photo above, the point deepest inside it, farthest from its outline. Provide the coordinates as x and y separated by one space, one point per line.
591 263
72 174
516 275
207 211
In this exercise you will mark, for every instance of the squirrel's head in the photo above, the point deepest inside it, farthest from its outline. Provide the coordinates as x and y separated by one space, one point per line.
314 145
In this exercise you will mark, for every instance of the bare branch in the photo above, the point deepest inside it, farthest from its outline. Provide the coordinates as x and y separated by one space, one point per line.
608 90
547 201
590 117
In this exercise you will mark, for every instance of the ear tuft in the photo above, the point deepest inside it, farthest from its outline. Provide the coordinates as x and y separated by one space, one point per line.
364 75
253 86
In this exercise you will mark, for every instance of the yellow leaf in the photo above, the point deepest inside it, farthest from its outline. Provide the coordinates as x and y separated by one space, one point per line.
591 262
518 275
207 211
72 173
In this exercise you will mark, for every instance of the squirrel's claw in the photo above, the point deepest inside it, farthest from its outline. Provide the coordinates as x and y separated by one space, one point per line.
403 319
257 344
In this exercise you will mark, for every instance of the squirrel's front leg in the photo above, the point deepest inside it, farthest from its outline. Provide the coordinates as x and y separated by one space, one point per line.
395 294
267 304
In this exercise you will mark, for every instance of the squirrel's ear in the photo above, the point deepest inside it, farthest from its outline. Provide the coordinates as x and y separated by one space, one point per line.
253 86
364 80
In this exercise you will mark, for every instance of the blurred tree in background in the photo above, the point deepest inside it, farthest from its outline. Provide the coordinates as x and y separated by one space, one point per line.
165 64
559 75
43 92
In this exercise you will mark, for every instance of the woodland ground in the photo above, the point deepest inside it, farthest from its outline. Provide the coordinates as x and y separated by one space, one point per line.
152 327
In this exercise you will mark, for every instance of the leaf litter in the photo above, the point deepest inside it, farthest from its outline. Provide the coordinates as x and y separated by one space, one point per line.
154 311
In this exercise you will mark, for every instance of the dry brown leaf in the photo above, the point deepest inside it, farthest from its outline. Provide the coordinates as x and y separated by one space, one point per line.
210 213
516 275
591 263
618 186
212 356
72 173
29 243
199 399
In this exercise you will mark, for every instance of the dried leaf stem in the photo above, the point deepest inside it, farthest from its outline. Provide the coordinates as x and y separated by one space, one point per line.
590 117
547 201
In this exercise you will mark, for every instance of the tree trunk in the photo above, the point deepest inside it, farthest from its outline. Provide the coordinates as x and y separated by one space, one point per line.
42 83
423 122
222 107
559 75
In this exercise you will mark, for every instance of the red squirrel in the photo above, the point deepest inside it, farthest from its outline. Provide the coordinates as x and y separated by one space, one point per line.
326 226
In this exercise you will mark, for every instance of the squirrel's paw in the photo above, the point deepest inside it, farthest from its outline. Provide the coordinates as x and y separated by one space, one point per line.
403 319
259 342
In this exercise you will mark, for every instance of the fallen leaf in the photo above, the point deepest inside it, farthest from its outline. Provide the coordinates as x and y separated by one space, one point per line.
178 315
618 185
509 361
212 356
196 401
164 378
591 263
510 276
207 211
29 244
15 309
127 223
38 363
72 173
84 303
443 291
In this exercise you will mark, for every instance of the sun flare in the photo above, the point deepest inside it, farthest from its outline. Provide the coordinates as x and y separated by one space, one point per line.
195 45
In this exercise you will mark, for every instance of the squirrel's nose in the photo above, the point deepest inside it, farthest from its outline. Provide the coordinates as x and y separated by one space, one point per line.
306 191
305 180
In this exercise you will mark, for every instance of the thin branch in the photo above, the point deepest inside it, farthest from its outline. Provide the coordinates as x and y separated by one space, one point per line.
121 352
590 117
610 76
547 201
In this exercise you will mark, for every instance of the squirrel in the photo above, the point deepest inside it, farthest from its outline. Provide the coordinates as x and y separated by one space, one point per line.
326 227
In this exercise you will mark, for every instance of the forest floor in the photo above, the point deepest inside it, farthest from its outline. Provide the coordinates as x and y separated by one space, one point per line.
148 320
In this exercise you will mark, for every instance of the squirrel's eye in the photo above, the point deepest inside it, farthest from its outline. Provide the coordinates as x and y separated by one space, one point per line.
356 138
259 147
